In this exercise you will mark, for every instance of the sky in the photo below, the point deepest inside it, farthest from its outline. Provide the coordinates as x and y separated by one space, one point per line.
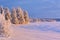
36 8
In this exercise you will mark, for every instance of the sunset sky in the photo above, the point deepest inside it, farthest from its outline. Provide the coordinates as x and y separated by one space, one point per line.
36 8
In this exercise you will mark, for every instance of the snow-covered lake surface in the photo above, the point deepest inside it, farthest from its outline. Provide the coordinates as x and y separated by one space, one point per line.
44 26
36 31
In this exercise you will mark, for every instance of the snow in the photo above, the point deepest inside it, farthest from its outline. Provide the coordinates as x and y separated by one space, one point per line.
36 31
31 31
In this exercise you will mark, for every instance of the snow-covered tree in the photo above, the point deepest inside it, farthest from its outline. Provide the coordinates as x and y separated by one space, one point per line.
7 14
14 16
26 17
1 10
4 27
20 15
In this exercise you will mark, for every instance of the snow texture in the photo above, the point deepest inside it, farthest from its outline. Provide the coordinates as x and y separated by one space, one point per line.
36 31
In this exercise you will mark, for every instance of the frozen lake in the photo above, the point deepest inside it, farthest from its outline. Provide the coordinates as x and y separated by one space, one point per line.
47 26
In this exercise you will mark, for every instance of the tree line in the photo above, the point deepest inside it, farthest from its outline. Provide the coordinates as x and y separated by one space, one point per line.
16 15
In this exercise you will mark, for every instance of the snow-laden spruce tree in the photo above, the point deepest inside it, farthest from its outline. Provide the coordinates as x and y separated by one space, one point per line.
26 17
20 15
7 14
14 17
4 27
